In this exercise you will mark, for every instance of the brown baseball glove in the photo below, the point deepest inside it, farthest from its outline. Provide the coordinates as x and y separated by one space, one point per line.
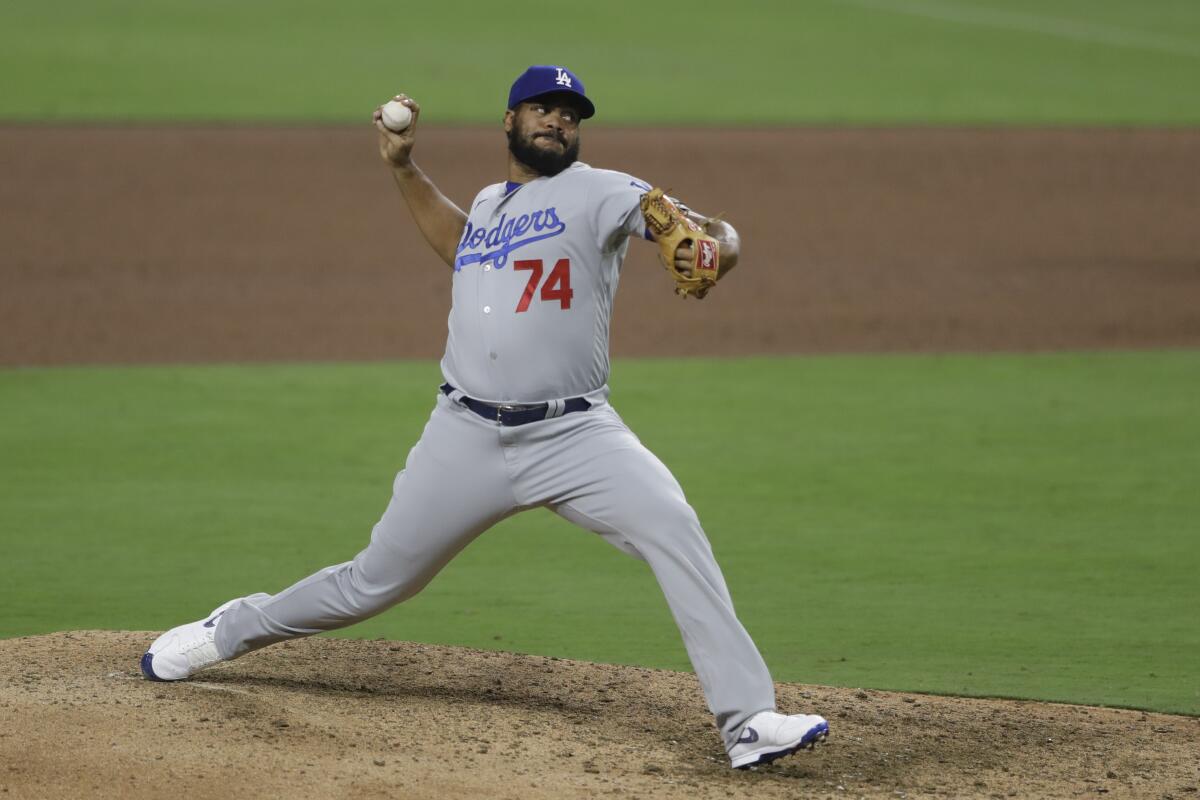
671 228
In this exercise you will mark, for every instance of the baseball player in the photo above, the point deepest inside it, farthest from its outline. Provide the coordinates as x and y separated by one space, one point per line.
523 418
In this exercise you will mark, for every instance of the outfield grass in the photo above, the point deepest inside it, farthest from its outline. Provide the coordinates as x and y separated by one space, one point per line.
756 62
1000 525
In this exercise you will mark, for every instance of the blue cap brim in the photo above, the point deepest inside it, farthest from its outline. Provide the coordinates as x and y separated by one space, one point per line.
586 109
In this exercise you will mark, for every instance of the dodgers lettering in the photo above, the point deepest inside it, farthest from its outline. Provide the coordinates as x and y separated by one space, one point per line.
502 237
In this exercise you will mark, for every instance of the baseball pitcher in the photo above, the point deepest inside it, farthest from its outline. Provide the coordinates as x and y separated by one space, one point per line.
523 420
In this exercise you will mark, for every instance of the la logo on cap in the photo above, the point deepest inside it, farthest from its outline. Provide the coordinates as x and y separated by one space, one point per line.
563 78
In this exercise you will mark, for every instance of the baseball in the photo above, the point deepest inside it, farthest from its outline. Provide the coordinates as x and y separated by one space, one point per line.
396 116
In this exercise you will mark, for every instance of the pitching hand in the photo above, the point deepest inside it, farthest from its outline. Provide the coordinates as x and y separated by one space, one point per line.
396 148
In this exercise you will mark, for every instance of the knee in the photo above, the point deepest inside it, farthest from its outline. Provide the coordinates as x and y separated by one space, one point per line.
367 594
368 586
677 515
673 525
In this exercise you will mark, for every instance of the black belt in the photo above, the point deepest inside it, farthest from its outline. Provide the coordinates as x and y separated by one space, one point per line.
512 414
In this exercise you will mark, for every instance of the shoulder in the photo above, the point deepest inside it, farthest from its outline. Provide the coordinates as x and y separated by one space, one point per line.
493 191
604 187
608 179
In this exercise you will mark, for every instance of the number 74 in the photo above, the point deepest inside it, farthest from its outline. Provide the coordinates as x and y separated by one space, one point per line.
557 285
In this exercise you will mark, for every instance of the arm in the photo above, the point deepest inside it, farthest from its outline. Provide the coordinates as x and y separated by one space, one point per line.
440 220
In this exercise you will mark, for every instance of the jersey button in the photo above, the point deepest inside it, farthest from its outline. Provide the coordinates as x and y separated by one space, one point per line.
487 309
487 267
493 356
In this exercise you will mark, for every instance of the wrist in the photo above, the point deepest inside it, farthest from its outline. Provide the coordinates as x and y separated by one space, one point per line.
404 170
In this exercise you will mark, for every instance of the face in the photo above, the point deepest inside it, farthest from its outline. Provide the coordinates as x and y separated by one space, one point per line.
543 133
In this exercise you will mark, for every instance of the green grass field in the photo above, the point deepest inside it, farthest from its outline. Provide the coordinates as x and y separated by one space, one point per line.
757 62
1000 525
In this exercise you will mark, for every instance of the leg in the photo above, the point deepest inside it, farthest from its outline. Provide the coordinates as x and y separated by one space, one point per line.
609 483
453 488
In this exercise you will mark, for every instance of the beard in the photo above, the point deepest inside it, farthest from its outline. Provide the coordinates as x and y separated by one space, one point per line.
544 162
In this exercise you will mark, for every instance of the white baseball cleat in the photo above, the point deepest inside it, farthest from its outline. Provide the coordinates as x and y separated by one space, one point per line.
767 736
185 649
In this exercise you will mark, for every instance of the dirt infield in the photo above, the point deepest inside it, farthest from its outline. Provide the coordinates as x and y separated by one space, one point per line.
328 718
210 244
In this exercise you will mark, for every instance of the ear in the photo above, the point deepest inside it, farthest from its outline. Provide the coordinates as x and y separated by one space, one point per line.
509 116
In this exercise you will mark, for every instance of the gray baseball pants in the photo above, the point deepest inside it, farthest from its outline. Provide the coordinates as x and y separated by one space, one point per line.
465 475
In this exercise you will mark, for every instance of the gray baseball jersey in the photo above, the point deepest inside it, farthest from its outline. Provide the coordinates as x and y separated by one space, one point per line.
534 279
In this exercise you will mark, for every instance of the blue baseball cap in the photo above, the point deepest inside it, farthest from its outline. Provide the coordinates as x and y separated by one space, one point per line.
543 79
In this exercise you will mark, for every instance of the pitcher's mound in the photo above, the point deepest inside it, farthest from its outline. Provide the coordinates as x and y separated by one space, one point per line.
343 718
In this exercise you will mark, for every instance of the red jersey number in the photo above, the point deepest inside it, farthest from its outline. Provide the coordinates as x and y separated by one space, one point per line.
557 285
